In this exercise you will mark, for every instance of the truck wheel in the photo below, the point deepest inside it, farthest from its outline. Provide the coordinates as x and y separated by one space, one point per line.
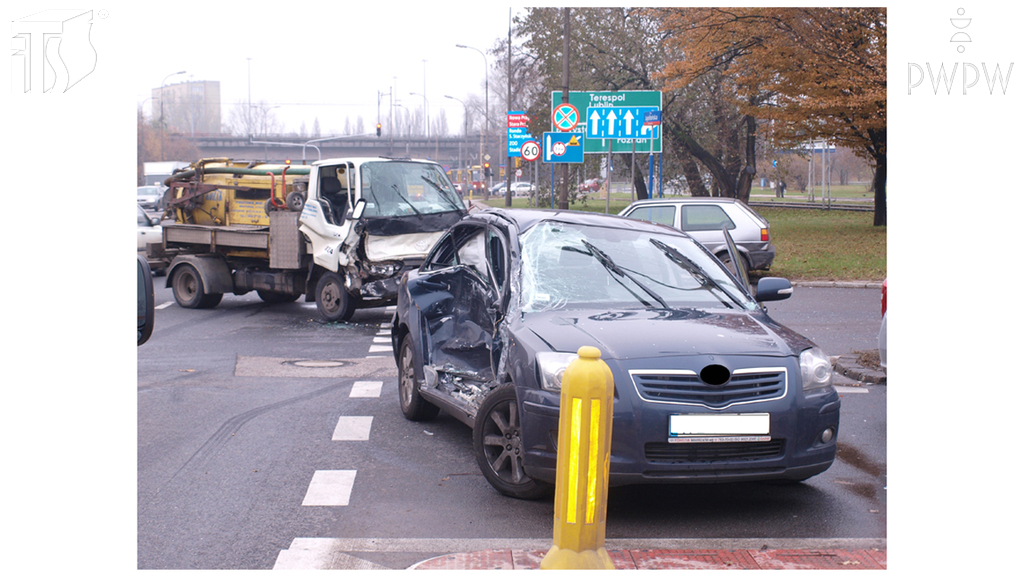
188 289
332 300
414 407
277 297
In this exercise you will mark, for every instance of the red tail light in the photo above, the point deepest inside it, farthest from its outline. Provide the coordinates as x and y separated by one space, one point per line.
764 234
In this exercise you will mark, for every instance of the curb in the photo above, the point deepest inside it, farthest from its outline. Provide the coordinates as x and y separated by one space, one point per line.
838 284
674 559
847 366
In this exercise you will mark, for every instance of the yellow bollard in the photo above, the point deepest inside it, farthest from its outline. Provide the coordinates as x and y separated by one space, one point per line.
584 448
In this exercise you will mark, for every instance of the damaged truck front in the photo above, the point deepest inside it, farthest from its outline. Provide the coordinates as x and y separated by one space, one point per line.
339 232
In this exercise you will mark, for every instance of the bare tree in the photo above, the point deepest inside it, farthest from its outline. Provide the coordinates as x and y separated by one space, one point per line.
257 120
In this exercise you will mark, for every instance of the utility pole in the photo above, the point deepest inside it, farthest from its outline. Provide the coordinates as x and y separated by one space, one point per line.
508 102
563 192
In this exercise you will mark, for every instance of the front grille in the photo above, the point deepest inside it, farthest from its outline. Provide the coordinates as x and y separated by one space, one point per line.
687 388
667 453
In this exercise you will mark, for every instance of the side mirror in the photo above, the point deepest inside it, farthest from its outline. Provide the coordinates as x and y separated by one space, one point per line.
769 289
147 312
358 209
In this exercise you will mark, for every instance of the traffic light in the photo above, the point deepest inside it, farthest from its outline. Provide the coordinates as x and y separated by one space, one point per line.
487 169
378 129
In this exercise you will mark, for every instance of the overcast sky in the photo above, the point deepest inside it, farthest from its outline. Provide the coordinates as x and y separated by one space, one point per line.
321 60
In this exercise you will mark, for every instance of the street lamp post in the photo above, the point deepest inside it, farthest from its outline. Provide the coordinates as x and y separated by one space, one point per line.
426 105
487 105
465 132
426 108
162 111
248 111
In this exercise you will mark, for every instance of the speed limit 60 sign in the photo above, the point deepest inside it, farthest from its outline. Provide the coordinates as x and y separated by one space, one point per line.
530 151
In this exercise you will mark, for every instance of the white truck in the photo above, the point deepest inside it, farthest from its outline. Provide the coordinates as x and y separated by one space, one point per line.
154 173
340 232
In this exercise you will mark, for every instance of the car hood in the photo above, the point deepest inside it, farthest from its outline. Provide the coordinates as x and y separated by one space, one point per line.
653 333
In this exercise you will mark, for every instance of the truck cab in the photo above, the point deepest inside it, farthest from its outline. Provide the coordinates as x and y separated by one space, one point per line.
408 204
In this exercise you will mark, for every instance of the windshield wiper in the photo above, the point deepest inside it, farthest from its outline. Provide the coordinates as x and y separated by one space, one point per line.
696 271
399 194
441 190
612 267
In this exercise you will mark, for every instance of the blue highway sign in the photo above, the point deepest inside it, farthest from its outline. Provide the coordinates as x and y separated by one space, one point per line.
563 147
621 122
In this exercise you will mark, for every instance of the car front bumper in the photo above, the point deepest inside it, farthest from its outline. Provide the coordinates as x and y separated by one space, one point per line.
642 451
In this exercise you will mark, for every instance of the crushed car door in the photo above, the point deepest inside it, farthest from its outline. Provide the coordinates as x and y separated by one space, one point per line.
460 306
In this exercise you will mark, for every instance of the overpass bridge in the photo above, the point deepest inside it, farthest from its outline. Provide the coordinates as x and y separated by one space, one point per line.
449 151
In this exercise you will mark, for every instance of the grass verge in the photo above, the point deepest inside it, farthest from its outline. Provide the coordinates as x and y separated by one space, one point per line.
826 245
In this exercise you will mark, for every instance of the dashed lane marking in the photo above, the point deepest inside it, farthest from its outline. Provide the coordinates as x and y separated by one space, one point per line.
366 390
319 554
330 488
353 428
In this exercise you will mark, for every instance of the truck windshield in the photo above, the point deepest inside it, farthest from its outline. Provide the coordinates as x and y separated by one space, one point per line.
407 189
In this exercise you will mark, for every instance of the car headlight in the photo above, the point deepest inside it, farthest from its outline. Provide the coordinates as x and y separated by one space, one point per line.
816 369
550 368
385 269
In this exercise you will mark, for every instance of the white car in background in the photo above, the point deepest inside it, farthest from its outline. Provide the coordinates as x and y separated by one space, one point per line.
523 188
150 232
703 219
151 197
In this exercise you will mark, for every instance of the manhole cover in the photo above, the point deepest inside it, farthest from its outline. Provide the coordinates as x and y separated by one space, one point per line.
320 363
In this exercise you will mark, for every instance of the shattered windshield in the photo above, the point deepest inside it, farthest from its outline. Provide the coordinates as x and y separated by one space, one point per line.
407 189
571 264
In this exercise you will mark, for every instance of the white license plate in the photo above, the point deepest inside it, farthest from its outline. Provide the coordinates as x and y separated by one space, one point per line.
753 427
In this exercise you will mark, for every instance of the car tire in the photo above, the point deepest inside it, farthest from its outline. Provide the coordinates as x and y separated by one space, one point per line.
189 291
414 407
333 301
497 437
724 257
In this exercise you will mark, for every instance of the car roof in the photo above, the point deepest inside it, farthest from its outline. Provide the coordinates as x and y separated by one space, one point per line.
524 219
690 200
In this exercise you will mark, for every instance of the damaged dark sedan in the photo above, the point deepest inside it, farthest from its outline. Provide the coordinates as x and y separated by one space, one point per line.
708 388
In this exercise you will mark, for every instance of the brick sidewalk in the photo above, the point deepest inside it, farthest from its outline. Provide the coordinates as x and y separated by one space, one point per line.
873 559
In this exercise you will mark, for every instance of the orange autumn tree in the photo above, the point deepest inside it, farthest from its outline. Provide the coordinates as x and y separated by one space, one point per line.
815 72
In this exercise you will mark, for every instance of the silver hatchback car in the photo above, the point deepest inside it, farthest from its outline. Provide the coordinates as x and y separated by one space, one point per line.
703 218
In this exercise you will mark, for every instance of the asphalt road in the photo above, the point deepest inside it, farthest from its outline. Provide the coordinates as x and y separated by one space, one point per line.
839 320
236 428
